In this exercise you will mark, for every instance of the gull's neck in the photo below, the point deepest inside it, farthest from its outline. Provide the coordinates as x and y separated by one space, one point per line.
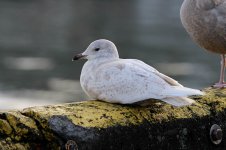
102 60
92 65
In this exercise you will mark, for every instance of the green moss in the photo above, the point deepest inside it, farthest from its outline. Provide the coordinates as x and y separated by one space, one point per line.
16 120
23 126
9 145
5 128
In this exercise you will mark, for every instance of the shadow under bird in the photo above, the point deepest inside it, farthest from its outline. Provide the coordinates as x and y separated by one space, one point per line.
205 22
107 77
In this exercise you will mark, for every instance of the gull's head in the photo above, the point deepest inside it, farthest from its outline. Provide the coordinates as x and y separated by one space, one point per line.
99 49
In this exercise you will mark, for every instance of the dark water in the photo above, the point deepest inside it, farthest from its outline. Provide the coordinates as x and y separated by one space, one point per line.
38 39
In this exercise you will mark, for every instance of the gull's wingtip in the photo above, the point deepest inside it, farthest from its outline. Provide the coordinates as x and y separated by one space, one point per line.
178 101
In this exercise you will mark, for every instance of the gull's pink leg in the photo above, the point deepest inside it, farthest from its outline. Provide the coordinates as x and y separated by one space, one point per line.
221 83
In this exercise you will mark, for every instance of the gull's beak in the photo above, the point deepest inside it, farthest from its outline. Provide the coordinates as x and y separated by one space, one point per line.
79 56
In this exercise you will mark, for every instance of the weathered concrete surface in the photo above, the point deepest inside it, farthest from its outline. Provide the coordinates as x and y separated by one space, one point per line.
97 125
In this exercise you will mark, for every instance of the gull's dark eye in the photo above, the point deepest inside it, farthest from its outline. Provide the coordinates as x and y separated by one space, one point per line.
97 49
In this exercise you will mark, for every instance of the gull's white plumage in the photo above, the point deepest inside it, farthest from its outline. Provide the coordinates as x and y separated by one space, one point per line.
107 77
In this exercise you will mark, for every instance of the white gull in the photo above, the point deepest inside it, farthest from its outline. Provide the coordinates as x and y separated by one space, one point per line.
107 77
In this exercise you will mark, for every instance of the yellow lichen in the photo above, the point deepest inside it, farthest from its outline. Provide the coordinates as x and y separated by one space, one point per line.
102 115
91 114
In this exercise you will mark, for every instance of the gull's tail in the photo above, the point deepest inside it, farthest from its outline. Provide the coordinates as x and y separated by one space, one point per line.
177 96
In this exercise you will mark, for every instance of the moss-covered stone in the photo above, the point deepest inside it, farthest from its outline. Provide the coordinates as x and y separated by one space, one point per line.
101 125
22 126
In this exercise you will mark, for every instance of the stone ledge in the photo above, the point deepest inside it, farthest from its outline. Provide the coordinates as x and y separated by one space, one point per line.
100 125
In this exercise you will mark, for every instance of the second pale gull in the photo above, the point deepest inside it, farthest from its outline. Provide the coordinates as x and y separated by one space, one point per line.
107 77
205 22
